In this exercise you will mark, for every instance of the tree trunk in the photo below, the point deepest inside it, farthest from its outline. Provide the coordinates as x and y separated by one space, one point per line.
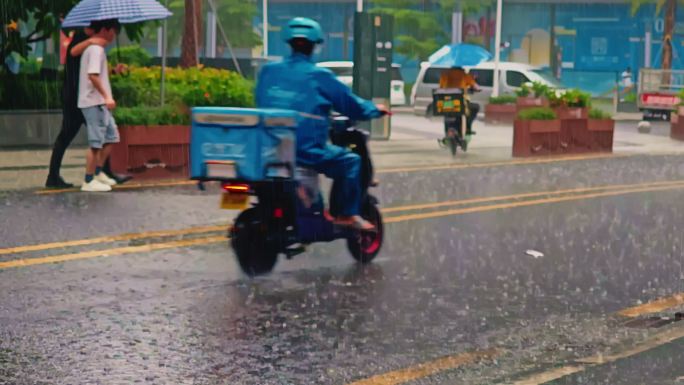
670 12
192 32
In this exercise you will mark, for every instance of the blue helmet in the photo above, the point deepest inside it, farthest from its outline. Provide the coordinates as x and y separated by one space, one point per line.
303 27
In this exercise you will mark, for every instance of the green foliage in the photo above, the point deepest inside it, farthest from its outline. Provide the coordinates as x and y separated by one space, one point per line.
235 15
595 113
542 113
681 97
27 92
537 89
150 116
421 27
576 98
630 97
504 99
132 55
184 87
44 18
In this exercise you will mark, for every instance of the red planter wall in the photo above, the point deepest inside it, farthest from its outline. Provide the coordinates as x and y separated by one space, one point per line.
152 152
536 137
601 133
500 113
677 128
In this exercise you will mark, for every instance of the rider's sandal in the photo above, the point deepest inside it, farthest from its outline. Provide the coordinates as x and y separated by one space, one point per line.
359 224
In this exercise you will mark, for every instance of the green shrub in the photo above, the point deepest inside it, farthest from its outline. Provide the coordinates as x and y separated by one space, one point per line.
133 55
148 116
504 99
524 91
681 97
542 113
595 113
630 98
191 87
576 98
537 89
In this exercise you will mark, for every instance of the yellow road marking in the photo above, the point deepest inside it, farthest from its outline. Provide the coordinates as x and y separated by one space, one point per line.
114 238
127 186
110 252
428 368
540 160
553 374
197 230
524 195
651 343
467 210
653 306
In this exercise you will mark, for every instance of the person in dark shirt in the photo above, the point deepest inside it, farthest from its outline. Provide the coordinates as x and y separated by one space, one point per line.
72 118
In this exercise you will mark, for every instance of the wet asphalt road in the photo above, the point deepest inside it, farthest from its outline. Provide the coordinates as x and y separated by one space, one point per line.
451 280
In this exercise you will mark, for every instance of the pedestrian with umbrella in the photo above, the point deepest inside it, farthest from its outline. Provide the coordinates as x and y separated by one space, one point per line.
82 15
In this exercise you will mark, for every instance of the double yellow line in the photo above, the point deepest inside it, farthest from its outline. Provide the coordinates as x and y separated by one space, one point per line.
407 213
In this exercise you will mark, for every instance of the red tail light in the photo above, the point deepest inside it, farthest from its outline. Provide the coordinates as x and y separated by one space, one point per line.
236 188
278 213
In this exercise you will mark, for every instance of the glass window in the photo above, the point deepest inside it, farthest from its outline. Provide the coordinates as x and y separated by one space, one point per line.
516 79
342 71
432 75
484 78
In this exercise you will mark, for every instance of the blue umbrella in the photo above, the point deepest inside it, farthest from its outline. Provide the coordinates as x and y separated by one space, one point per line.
460 55
126 11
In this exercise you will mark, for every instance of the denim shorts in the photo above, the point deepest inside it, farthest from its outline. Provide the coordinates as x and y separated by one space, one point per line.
101 126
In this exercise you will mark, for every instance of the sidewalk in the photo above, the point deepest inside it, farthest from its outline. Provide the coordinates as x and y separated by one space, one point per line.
413 143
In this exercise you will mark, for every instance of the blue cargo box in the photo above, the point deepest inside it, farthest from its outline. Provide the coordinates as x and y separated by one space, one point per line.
242 144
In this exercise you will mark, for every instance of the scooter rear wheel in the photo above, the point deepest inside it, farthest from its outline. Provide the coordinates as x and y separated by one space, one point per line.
254 253
364 246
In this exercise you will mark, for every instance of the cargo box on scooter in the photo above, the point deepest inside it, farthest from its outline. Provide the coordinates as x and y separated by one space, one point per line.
448 102
242 144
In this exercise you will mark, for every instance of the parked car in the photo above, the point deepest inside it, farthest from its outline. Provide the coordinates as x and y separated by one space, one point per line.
344 70
511 76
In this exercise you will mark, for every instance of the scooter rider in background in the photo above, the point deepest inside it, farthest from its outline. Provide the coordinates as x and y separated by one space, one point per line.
298 84
456 77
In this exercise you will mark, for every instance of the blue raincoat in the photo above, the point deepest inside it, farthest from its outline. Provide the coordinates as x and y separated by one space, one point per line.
298 84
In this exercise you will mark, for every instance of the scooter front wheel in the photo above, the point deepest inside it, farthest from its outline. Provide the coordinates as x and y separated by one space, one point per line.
249 238
364 246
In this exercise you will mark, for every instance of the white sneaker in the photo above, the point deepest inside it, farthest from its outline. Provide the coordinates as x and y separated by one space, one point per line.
104 179
95 186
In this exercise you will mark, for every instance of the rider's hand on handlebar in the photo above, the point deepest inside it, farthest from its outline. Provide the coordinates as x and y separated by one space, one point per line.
383 109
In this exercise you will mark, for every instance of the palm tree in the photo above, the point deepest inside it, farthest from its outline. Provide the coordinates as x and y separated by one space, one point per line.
192 32
670 14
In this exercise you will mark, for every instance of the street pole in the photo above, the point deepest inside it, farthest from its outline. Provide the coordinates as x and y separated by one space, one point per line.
457 24
359 5
163 57
497 48
264 4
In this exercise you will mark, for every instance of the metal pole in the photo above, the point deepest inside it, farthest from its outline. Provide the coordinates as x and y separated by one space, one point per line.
225 37
265 33
163 58
497 48
359 5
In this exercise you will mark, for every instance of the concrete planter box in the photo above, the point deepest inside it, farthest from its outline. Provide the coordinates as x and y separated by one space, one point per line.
601 132
500 113
152 152
528 102
677 128
33 128
565 113
536 137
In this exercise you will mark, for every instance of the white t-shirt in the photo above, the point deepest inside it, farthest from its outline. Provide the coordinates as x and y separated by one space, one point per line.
93 61
626 79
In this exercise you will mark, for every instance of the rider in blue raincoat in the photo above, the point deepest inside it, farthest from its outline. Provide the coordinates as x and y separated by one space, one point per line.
298 84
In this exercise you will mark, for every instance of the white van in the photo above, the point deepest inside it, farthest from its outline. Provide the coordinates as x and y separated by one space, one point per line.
344 70
512 76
